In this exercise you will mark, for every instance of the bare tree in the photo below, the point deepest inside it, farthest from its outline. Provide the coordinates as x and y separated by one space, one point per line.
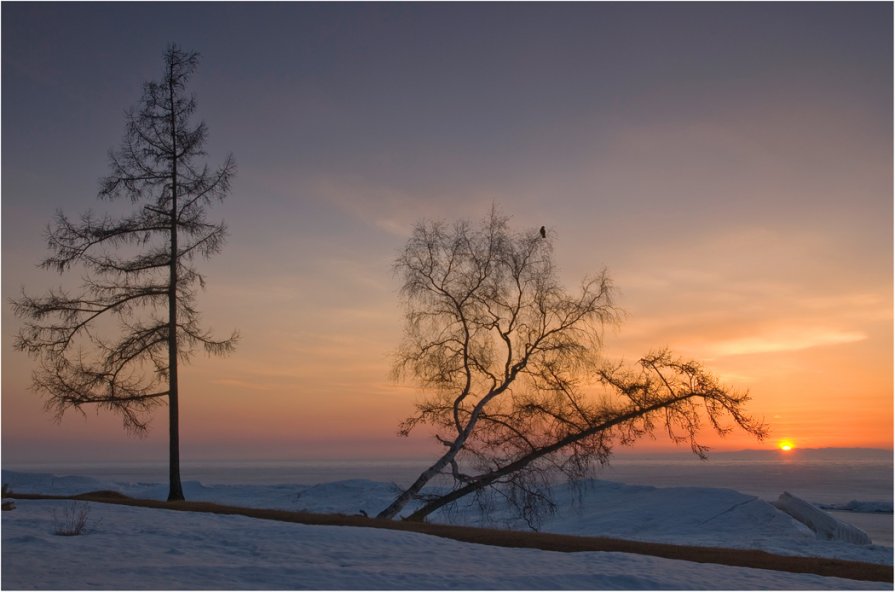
117 344
517 390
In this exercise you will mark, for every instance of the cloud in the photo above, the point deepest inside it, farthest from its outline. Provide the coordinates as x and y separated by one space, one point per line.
784 342
395 206
243 384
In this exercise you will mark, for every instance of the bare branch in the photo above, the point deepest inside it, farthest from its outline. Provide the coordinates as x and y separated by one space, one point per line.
511 361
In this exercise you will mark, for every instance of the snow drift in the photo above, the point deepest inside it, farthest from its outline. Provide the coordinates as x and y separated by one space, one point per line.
824 526
860 506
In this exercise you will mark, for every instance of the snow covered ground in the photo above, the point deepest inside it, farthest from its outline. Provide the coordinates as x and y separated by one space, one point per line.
131 548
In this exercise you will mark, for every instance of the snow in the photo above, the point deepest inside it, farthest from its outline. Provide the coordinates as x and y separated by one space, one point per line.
140 548
863 506
824 525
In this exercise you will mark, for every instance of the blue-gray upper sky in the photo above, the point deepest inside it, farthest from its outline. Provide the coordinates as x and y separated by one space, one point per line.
731 163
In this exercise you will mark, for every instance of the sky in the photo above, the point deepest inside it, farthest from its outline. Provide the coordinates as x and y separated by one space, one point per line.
729 164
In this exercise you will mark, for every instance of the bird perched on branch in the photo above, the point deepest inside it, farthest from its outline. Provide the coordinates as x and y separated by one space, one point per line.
543 232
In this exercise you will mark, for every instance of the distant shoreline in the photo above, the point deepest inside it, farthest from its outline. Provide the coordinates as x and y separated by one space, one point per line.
618 455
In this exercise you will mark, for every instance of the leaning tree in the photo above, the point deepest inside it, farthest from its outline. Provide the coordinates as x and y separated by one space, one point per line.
516 388
117 343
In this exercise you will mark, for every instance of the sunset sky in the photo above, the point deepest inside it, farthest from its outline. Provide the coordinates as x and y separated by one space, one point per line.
730 164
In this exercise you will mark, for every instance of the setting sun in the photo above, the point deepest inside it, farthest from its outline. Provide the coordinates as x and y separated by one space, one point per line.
786 445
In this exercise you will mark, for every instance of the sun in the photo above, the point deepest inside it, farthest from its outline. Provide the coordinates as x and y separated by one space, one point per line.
786 445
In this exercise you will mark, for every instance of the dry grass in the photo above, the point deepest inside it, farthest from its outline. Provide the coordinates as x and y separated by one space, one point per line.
71 520
854 570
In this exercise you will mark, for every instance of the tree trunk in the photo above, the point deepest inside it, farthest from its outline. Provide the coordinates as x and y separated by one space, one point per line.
411 492
489 478
175 489
427 475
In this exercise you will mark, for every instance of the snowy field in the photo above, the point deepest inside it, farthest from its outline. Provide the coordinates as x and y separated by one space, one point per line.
138 548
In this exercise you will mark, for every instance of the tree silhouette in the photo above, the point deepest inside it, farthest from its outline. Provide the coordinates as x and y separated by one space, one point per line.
517 390
117 344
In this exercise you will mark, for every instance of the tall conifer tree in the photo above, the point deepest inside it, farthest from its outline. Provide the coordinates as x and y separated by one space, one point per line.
138 270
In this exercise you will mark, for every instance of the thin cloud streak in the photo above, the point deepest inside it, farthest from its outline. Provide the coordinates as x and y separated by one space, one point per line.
783 342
